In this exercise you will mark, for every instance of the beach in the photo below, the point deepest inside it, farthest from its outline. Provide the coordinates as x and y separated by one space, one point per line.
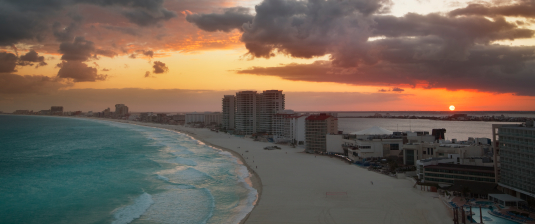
295 187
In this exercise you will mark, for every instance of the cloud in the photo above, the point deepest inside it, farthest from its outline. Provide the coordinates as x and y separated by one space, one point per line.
147 74
126 30
382 90
149 54
432 51
64 34
8 62
522 8
397 89
148 18
79 72
79 50
32 56
159 67
29 84
231 18
494 68
106 70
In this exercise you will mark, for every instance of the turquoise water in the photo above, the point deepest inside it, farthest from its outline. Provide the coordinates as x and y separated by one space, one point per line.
484 202
488 218
65 170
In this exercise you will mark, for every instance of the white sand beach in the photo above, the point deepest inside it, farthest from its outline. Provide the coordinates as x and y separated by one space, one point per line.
293 186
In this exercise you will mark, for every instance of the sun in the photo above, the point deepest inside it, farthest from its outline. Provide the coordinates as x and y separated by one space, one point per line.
452 108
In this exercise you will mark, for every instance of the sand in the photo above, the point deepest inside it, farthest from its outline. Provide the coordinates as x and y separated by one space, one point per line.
293 186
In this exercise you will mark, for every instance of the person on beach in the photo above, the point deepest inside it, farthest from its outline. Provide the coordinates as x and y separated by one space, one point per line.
371 182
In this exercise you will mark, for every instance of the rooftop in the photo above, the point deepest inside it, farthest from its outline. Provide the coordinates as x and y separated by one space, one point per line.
319 117
373 131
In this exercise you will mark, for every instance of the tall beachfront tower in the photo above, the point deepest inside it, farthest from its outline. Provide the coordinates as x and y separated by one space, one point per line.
317 127
229 112
514 158
269 103
121 110
246 112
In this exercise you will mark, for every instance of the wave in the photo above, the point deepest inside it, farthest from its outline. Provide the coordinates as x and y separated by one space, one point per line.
160 177
131 212
183 161
246 205
181 206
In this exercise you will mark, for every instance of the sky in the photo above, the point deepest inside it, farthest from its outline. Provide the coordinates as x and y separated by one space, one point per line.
326 55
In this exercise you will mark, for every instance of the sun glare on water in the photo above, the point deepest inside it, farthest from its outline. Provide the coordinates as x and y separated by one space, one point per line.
452 108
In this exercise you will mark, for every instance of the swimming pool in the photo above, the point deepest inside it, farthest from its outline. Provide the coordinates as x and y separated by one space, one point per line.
484 202
489 219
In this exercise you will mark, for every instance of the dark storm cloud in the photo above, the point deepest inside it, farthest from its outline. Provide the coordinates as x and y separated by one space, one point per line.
159 67
18 84
8 62
147 18
32 57
79 72
523 8
79 50
16 25
31 19
82 50
64 34
487 68
433 50
231 18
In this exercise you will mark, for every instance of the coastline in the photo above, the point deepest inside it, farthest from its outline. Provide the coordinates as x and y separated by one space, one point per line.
254 178
305 188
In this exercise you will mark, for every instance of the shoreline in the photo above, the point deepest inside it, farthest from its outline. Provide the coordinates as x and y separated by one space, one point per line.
304 188
254 178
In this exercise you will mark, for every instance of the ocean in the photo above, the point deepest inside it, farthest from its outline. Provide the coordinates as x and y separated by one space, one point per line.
68 170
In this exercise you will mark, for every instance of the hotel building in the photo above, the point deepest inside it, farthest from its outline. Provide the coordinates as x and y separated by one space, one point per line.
270 102
514 158
317 127
254 112
246 112
229 112
446 173
121 110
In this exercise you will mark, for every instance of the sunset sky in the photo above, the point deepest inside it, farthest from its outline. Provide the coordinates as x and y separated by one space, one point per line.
336 55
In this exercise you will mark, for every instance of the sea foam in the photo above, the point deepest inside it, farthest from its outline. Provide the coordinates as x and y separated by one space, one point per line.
128 213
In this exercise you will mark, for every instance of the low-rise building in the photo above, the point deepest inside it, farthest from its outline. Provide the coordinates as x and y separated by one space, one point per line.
194 118
56 110
372 142
425 150
444 173
212 118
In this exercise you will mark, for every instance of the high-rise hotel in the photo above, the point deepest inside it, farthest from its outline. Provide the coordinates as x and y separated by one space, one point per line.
514 158
254 111
229 112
